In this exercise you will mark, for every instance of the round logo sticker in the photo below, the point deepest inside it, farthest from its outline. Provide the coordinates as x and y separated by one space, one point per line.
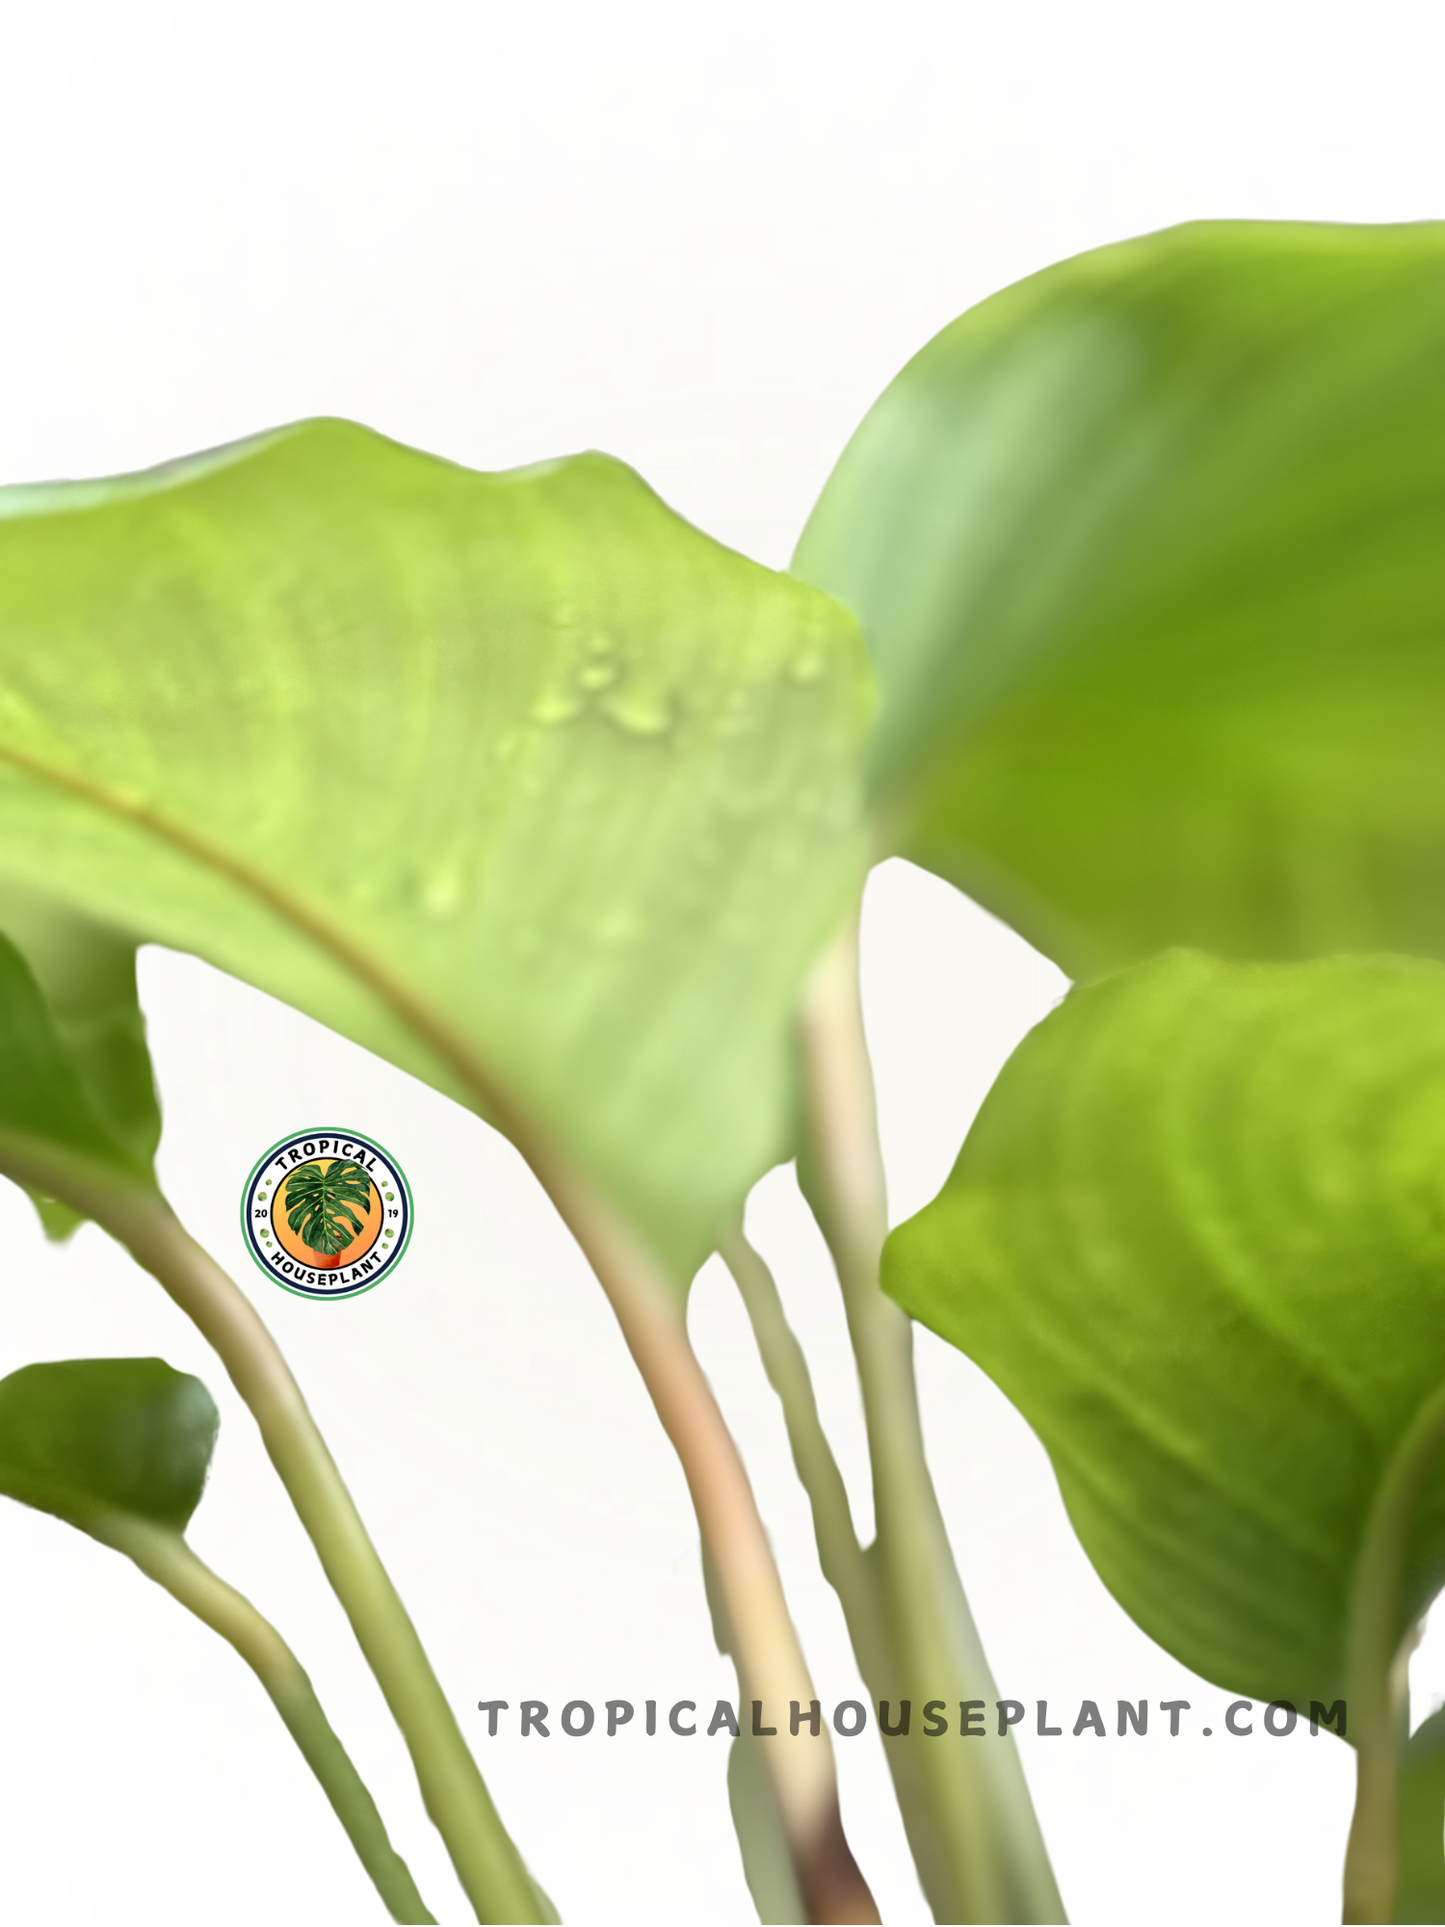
326 1213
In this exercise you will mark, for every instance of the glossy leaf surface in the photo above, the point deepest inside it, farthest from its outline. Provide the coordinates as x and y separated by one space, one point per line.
91 1436
1197 1234
1147 549
518 780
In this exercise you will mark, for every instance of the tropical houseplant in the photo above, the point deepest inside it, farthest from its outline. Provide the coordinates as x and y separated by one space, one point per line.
1122 613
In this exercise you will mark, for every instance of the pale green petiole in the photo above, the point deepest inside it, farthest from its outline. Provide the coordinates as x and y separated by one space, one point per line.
970 1821
166 1558
843 1560
1376 1670
487 1862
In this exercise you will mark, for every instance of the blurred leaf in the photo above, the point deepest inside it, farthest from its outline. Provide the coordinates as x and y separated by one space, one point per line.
517 780
1197 1235
1421 1893
1147 549
91 1436
86 974
45 1112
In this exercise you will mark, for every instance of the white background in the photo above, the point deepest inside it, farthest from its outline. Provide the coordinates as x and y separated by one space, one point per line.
702 238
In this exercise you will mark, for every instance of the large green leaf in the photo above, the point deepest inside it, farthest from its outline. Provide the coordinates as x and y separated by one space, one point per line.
89 1437
517 779
1197 1234
86 973
1148 550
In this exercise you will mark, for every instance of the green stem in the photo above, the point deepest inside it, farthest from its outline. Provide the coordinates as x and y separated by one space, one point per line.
842 1559
853 1573
167 1559
1376 1664
974 1832
487 1862
651 1311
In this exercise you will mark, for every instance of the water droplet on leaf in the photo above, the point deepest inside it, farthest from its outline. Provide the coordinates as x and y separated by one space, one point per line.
556 706
639 710
441 894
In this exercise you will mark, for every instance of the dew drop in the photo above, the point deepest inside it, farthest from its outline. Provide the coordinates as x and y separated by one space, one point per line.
639 710
597 674
441 894
556 706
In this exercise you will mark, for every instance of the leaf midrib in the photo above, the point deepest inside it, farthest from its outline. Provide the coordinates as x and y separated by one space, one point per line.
413 1011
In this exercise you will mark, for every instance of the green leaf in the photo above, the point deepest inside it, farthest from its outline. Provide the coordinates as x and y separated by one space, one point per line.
1197 1235
95 1436
1421 1895
86 973
518 780
318 1201
1147 551
121 1448
46 1112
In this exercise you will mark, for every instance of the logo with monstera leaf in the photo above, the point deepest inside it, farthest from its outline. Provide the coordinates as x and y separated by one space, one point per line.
327 1213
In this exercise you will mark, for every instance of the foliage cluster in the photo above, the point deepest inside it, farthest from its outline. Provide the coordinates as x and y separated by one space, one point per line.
1124 612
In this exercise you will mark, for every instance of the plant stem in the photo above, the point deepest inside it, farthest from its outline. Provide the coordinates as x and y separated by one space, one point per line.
976 1839
1376 1669
488 1864
842 1559
167 1559
853 1573
771 1667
